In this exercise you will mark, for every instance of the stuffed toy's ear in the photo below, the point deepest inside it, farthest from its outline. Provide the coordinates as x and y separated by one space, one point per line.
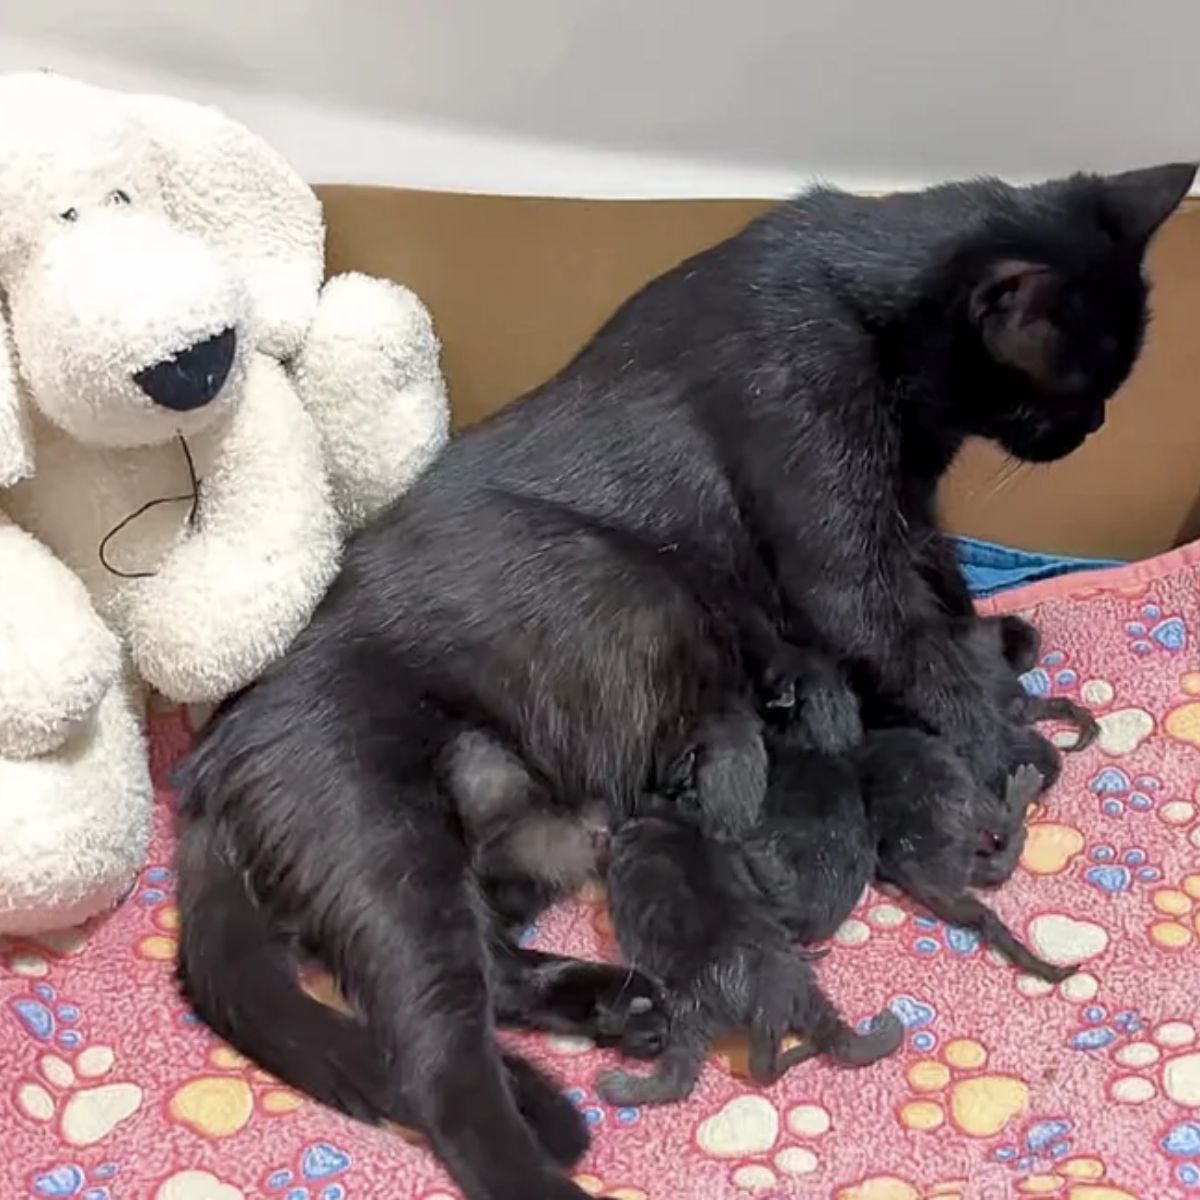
227 185
16 444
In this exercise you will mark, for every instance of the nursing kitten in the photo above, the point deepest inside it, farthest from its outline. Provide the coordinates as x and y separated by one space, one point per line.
781 408
688 909
939 834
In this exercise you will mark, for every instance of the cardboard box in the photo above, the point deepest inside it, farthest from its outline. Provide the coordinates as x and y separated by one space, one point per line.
516 285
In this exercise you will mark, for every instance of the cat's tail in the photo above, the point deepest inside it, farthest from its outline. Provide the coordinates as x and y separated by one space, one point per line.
237 967
241 978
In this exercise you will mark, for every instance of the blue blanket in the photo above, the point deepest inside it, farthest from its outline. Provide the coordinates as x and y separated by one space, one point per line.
990 568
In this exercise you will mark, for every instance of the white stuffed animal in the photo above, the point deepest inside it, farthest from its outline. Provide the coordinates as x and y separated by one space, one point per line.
164 322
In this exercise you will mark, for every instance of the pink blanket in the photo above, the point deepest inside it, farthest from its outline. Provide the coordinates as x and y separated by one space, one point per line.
1005 1086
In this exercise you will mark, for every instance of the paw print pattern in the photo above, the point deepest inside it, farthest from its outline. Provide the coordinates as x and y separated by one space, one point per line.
1118 794
592 1184
1151 631
47 1019
314 1177
1041 1144
70 1179
220 1104
957 1087
70 1090
934 936
1182 1142
75 1097
595 1112
1182 815
153 894
1178 922
1113 872
763 1151
1051 677
1099 1031
1165 1063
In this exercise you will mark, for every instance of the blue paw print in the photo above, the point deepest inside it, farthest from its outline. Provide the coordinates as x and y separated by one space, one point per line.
916 1016
528 935
320 1164
70 1179
1118 793
1113 873
1051 677
157 884
45 1018
1100 1031
1182 1141
1045 1142
1152 631
593 1113
952 937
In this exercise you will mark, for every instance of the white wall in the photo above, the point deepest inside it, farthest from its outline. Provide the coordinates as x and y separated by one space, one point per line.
655 97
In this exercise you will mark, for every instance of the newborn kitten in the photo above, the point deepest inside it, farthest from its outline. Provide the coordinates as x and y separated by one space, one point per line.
690 910
940 834
1002 649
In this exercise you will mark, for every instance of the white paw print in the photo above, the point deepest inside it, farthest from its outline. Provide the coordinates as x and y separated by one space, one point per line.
1168 1061
75 1096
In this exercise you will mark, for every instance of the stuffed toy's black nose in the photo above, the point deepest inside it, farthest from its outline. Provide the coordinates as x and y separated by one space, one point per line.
191 378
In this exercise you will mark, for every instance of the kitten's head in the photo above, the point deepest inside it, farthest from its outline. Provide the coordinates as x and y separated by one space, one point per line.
1054 301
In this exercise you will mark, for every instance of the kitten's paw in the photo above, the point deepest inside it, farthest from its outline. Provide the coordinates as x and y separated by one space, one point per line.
1023 786
617 1087
633 1016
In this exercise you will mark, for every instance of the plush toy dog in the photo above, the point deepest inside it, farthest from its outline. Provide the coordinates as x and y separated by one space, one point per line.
189 423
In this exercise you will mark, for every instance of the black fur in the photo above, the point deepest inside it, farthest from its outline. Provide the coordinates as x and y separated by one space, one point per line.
688 908
779 408
939 833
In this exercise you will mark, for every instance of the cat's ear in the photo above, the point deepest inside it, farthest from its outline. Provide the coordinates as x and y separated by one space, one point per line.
1140 201
1010 307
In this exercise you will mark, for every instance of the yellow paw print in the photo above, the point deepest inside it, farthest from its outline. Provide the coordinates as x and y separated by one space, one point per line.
161 945
1080 1178
218 1106
977 1104
595 1186
892 1187
76 1098
1166 1061
1178 923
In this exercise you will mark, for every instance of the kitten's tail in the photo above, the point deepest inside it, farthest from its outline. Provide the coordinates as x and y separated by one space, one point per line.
827 1033
241 979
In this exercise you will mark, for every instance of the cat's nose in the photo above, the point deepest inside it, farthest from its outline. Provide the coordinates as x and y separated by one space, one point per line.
192 377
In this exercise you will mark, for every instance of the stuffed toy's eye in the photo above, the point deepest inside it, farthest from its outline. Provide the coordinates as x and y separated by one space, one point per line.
119 196
69 214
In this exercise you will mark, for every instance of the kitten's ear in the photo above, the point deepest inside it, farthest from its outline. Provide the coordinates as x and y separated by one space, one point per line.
1010 307
1140 201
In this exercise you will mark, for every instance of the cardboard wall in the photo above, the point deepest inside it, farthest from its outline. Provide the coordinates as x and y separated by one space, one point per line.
516 285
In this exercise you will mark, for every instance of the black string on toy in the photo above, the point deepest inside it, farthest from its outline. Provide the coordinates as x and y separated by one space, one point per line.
193 496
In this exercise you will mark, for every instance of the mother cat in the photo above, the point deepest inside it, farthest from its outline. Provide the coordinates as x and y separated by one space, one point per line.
779 408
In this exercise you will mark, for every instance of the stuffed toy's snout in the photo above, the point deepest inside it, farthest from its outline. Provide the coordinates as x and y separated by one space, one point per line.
128 330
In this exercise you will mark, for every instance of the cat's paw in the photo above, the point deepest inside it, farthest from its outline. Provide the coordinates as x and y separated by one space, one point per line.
633 1017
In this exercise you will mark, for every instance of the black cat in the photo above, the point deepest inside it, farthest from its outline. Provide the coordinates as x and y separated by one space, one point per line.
780 408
